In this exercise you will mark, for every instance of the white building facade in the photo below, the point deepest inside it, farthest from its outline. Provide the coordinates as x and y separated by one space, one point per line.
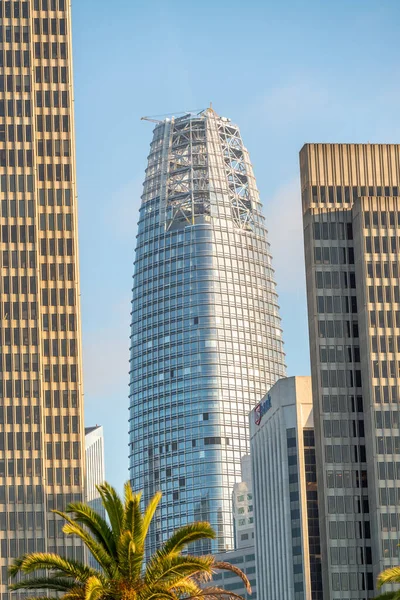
243 522
95 471
242 504
287 549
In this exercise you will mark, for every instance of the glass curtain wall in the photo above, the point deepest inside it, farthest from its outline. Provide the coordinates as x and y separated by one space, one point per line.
206 339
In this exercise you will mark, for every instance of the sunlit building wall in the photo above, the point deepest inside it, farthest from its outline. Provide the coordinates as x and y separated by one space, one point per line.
41 412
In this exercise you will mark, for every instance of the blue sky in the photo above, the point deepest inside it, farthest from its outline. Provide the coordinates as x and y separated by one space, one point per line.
286 72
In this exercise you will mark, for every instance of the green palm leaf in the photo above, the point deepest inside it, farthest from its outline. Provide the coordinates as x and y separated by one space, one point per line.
94 589
388 596
119 550
129 498
77 593
149 513
225 566
43 598
165 568
45 561
50 583
158 593
114 508
391 575
82 513
186 535
104 559
137 529
185 586
126 547
215 593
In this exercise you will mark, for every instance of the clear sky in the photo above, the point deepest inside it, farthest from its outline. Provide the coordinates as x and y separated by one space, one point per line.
286 71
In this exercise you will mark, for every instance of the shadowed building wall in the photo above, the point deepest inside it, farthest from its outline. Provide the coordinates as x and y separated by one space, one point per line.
351 211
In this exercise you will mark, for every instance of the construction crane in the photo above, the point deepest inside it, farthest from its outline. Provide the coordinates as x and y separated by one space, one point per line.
150 119
154 119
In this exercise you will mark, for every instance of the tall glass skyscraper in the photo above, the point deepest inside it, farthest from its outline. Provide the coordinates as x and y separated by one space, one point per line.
206 339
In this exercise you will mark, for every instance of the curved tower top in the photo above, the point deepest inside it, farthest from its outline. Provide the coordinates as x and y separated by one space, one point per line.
206 340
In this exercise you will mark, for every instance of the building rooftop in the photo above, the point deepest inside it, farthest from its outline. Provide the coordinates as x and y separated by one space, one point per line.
90 429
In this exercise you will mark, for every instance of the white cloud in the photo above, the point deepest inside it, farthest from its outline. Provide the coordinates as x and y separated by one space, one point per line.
284 224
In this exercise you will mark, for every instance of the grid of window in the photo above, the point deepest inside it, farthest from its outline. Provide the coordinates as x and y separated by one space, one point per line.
205 338
351 217
379 228
314 543
41 413
229 581
294 504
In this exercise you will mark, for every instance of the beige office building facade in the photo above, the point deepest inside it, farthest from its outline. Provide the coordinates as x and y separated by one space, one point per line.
351 215
41 413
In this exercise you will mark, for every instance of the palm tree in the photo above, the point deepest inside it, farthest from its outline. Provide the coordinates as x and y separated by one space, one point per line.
118 547
391 575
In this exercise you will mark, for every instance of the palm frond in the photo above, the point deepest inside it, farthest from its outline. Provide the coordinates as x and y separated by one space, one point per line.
105 560
137 523
53 562
388 596
215 593
187 534
128 507
77 593
164 569
119 550
149 512
43 598
50 583
16 565
225 566
391 575
83 513
158 593
94 589
114 508
124 547
129 495
184 586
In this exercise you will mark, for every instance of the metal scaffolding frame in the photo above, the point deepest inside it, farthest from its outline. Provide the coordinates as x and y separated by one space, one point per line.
187 180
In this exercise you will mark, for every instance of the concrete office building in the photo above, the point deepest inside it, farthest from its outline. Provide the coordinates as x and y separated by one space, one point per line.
41 413
245 559
242 505
243 521
287 548
95 471
351 212
206 338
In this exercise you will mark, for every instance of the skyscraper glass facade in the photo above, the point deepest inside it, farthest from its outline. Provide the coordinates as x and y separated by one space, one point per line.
206 339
